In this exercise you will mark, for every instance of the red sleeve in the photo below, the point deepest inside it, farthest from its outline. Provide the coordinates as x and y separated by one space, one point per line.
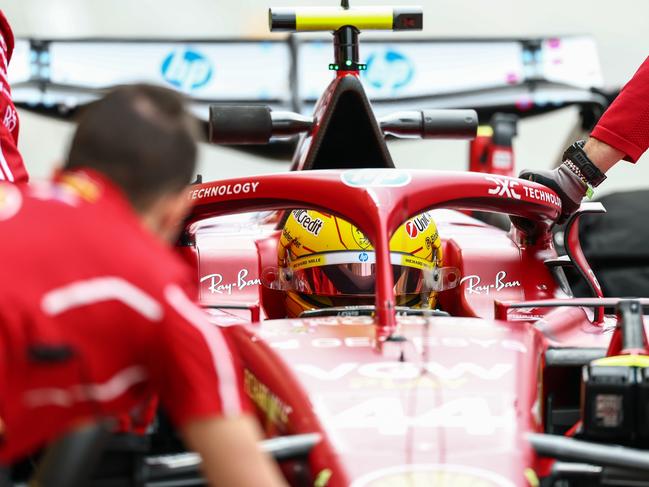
198 372
625 125
11 163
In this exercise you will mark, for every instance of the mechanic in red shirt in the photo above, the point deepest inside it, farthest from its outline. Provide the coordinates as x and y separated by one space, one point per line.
622 133
12 168
97 311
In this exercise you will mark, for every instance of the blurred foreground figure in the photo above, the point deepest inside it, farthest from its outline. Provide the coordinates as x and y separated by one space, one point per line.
11 164
621 133
97 312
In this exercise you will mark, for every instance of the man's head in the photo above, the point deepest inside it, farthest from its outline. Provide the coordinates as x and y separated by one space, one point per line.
142 138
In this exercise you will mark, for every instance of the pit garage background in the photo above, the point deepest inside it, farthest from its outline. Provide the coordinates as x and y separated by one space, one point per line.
620 29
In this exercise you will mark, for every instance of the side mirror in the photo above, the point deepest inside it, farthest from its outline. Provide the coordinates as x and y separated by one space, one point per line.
431 124
253 124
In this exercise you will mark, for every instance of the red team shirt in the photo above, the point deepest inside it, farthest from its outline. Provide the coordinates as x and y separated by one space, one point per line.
118 297
12 168
625 125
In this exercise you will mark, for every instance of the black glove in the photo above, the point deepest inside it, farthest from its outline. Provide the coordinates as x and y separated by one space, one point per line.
563 181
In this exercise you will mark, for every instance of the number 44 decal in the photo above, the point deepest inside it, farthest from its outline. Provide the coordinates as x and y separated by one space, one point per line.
389 417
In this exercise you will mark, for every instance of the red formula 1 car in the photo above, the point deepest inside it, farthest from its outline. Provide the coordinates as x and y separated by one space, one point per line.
508 381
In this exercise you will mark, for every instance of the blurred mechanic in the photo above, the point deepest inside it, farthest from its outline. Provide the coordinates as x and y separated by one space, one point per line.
97 311
621 133
12 168
326 262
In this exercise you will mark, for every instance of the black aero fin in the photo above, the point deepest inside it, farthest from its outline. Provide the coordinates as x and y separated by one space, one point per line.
349 136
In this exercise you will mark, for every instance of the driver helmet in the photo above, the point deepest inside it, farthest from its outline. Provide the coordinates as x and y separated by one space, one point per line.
325 261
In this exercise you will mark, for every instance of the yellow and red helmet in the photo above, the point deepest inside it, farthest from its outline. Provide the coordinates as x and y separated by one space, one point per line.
330 262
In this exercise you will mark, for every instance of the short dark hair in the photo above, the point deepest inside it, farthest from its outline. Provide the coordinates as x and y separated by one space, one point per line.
142 138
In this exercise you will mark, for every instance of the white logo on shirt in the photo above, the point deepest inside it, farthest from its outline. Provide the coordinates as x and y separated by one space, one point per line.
10 119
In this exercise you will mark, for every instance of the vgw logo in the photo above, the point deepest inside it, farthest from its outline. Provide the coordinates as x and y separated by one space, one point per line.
388 70
187 69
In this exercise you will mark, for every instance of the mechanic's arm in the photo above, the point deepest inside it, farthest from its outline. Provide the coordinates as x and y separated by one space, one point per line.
12 168
621 133
200 388
230 452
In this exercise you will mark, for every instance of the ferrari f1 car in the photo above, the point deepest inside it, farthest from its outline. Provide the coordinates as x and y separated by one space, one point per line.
504 380
508 381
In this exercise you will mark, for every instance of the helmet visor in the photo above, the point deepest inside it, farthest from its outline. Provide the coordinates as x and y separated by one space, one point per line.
354 274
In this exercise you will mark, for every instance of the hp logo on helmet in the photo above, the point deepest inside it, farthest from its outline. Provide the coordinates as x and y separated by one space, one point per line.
187 69
389 70
363 257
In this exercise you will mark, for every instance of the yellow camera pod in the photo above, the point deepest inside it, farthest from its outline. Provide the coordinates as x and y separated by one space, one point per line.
311 19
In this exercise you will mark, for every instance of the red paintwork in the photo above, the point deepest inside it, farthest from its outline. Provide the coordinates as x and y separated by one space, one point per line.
470 406
572 241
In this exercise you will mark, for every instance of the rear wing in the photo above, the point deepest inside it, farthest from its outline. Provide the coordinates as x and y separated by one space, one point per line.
527 76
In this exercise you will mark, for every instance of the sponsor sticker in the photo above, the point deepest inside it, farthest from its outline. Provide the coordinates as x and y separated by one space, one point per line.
290 239
400 370
418 224
218 286
510 188
416 262
474 284
375 178
224 190
310 224
432 475
276 410
309 261
389 415
504 187
359 237
430 241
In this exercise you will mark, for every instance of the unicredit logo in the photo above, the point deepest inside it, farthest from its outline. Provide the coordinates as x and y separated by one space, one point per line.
411 229
417 224
311 225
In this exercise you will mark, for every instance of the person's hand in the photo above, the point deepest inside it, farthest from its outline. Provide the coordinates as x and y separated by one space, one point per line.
563 181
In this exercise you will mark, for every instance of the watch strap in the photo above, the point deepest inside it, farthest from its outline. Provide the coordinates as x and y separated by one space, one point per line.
582 166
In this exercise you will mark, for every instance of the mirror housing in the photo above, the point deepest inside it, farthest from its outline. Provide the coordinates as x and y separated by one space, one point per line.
253 124
431 124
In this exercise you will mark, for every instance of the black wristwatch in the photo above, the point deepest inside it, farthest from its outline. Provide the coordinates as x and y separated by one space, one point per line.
577 160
